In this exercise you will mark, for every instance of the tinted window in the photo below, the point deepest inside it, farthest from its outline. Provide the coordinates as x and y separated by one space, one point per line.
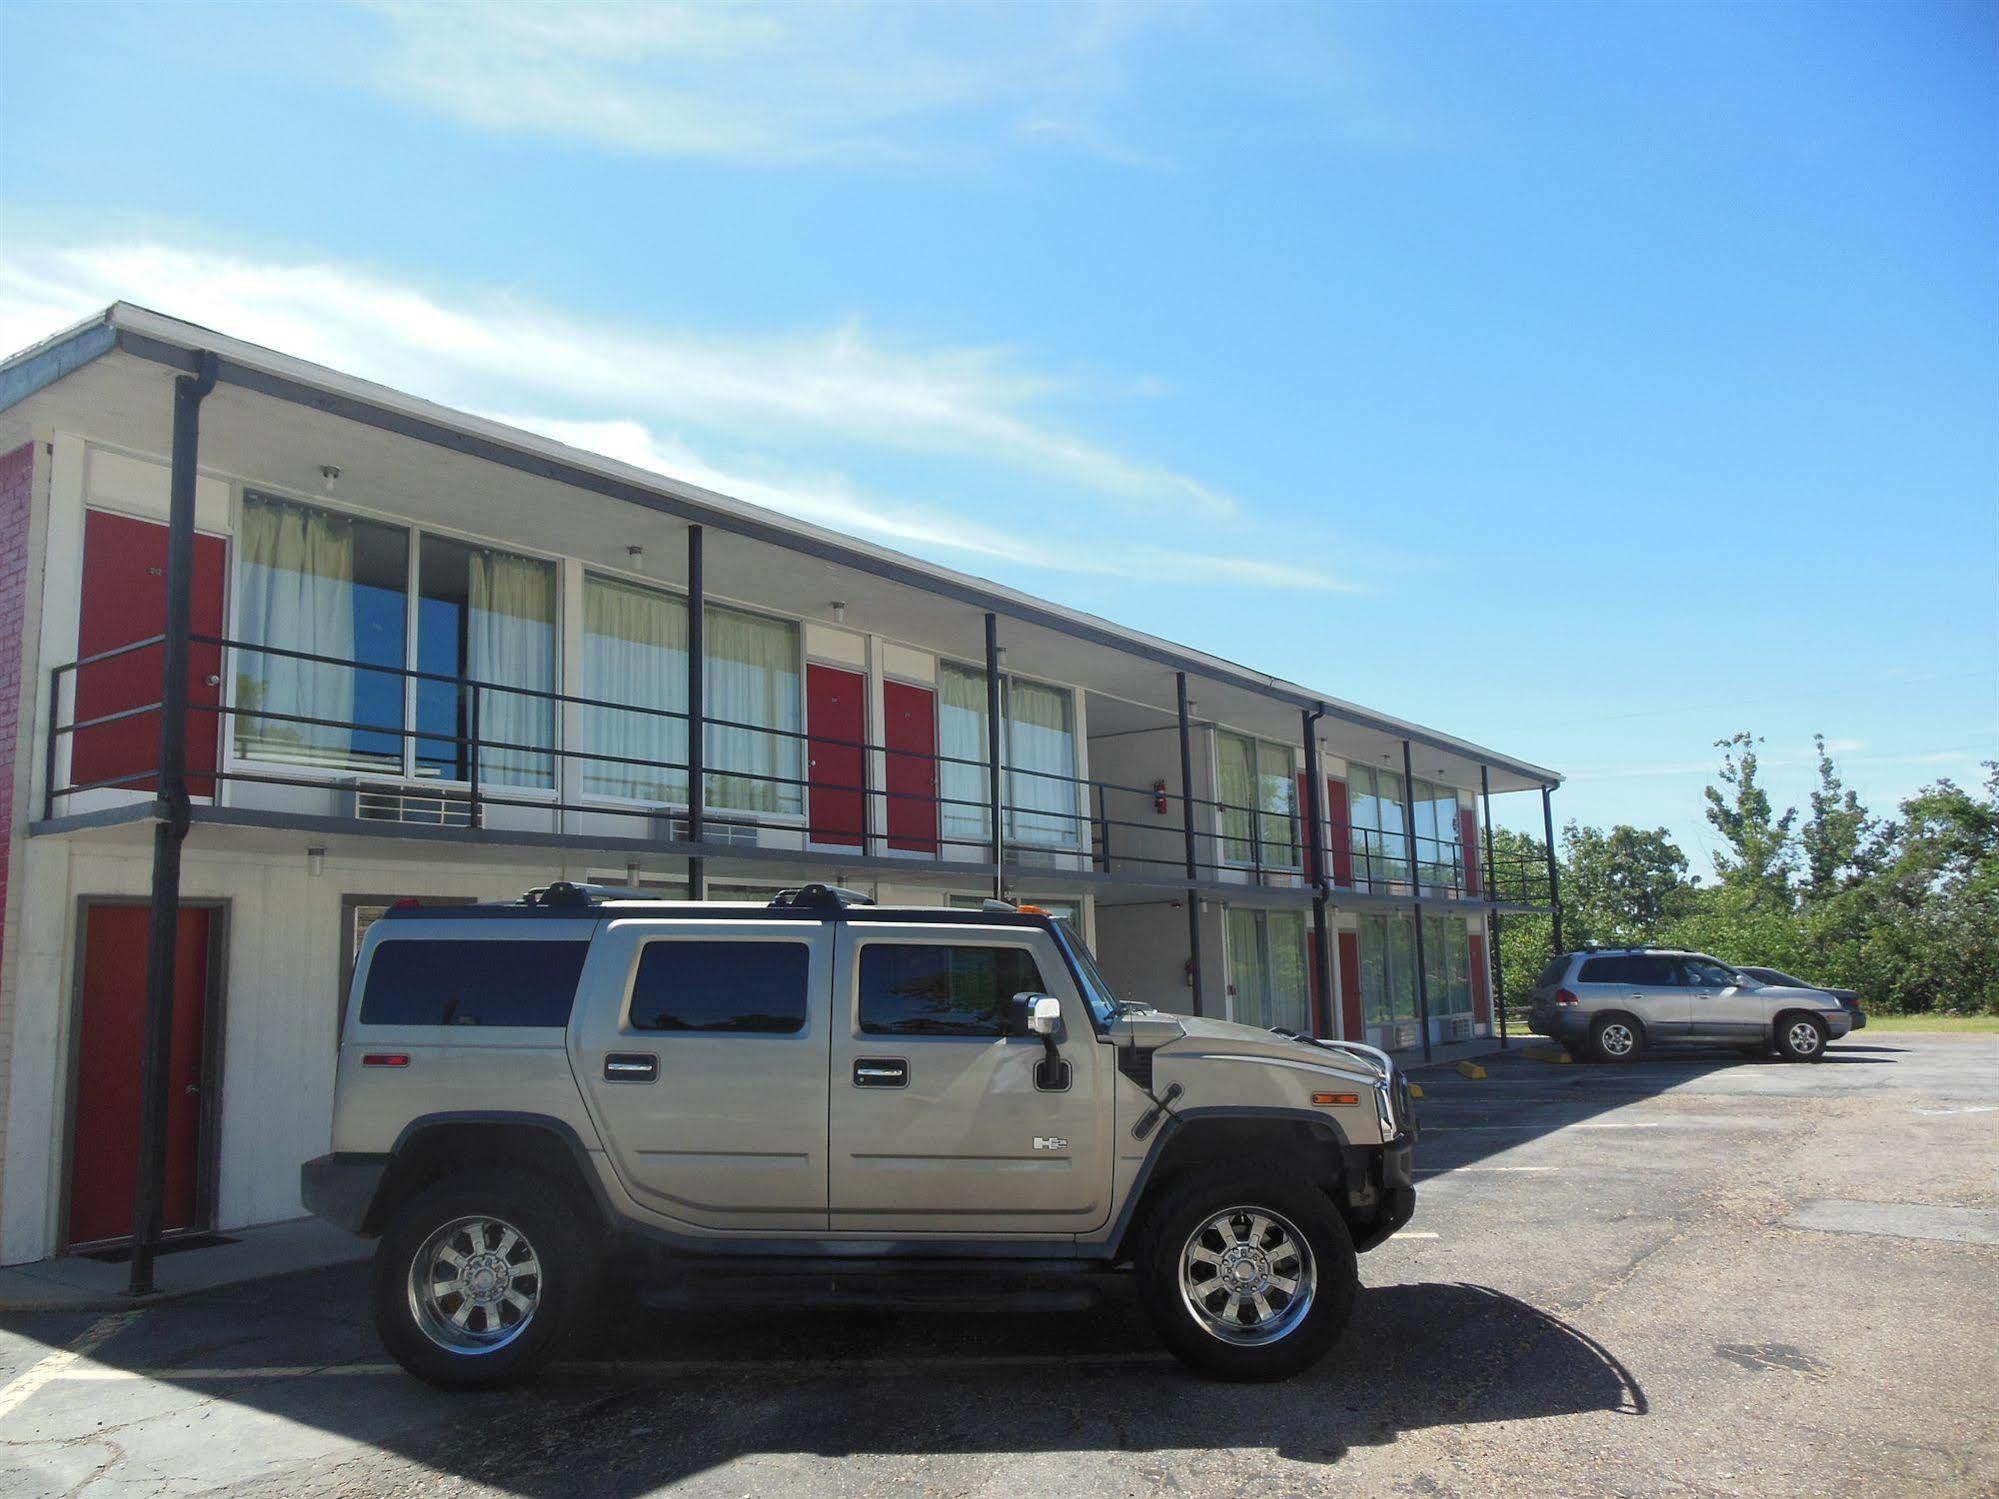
1604 971
1651 971
1706 973
1556 967
421 982
742 987
943 991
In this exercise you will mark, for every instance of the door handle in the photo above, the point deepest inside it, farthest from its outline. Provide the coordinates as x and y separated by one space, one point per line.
881 1072
631 1067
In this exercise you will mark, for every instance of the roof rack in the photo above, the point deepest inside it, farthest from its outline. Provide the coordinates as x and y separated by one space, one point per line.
819 898
569 894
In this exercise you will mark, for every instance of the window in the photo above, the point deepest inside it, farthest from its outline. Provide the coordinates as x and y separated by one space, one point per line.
1603 971
743 988
1038 732
635 651
1705 973
488 616
1447 965
1552 970
321 584
1255 783
1267 969
937 990
1040 764
750 687
1388 969
1439 850
1380 834
419 981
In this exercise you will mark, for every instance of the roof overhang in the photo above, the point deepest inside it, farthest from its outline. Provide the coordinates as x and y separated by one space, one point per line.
127 332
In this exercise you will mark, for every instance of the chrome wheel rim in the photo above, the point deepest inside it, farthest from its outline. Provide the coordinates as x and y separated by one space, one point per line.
1247 1276
475 1285
1804 1037
1617 1039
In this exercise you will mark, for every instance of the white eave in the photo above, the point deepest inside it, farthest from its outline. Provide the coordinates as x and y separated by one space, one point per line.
169 341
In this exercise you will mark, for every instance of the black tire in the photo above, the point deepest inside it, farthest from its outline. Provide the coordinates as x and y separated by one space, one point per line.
1793 1031
1267 1190
1616 1037
551 1236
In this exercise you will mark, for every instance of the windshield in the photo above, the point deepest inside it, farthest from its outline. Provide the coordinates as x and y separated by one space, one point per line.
1104 1005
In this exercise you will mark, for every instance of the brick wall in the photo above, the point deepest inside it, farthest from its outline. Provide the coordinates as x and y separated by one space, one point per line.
17 475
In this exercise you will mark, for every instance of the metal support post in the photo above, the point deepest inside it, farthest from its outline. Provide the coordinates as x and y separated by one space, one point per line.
1554 872
994 803
1495 970
169 828
1187 833
697 716
1314 851
1416 890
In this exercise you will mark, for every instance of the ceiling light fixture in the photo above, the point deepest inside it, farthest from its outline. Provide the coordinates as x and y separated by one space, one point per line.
328 474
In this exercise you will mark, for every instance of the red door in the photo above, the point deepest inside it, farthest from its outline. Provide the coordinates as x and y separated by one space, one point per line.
111 1025
836 716
125 599
910 736
1351 1026
1342 821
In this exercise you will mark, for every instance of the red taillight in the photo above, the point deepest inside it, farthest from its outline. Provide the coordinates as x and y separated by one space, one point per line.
1566 997
385 1059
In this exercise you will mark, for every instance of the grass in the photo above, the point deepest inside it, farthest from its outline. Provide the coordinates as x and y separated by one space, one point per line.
1962 1025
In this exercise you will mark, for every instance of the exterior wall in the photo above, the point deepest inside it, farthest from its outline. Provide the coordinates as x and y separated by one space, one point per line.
280 1010
1143 952
19 634
1157 848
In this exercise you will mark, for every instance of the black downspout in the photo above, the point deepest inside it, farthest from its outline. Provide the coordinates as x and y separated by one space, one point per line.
697 716
1554 874
1493 965
170 820
994 804
1315 866
1416 890
1187 833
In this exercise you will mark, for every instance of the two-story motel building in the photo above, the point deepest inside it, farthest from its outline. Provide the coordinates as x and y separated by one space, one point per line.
433 657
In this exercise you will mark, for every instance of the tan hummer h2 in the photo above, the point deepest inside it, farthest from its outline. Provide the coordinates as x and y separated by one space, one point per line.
526 1091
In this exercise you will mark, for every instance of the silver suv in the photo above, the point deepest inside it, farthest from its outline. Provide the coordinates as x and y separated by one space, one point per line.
1612 1004
708 1091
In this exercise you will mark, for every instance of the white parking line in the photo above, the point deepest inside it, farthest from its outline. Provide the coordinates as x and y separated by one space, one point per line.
1456 1170
55 1364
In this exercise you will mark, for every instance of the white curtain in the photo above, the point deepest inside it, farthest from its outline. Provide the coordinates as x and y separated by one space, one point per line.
750 676
1247 974
961 737
510 632
298 595
1235 779
1290 988
1277 797
1040 739
635 651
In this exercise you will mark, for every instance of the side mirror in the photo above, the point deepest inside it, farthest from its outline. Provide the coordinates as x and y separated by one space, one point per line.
1041 1015
1044 1015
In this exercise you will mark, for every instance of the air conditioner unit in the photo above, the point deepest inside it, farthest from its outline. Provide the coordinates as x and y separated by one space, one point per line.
420 806
1399 1037
1458 1028
672 827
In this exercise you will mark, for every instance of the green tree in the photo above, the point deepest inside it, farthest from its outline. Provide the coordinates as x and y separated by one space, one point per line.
1620 887
1836 834
1759 856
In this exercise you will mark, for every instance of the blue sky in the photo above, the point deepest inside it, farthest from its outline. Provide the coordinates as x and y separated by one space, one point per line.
1590 381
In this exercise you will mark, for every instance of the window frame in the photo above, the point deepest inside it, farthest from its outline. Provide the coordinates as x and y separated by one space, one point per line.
1078 769
803 942
413 532
942 942
1294 860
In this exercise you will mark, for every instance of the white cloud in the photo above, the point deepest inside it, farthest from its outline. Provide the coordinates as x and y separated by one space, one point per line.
1844 746
756 82
775 403
835 382
831 500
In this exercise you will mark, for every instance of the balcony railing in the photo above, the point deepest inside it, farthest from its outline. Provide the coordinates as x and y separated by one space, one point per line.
774 782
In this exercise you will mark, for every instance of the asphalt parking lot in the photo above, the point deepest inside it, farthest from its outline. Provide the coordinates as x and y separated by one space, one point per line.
1699 1274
